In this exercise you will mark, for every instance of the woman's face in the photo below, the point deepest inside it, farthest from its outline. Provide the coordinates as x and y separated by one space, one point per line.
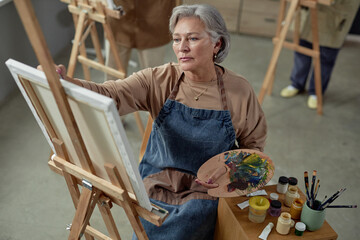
192 45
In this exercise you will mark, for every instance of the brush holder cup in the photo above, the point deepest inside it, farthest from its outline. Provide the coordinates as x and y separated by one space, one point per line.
314 219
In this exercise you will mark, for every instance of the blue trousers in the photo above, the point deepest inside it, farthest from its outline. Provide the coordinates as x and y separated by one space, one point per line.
302 68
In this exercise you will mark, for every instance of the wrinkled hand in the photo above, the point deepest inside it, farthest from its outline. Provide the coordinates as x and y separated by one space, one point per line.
210 183
60 69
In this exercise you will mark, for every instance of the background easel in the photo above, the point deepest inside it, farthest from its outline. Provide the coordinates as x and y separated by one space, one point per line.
85 14
95 190
283 24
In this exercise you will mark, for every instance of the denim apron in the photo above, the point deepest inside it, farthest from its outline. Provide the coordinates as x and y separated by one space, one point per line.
182 139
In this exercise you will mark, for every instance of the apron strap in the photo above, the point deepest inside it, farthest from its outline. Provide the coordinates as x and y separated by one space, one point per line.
222 89
220 81
175 89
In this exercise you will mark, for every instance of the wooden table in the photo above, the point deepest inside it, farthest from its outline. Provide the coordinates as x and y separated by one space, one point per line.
233 223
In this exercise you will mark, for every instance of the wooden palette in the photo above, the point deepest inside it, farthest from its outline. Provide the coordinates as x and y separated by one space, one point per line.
217 162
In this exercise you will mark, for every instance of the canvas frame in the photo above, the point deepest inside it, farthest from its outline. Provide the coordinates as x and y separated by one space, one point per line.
98 120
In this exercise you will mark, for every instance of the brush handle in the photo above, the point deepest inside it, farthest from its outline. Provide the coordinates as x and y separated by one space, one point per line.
331 199
312 188
342 206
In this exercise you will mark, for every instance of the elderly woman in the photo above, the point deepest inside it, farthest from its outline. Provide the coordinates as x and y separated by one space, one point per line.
200 109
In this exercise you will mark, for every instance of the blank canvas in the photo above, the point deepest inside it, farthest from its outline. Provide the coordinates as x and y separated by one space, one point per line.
98 121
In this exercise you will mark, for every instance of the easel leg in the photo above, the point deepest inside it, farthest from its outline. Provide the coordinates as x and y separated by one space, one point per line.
146 137
110 36
277 50
280 19
296 35
130 211
69 179
85 68
316 60
86 205
105 211
139 123
97 44
271 83
75 47
296 41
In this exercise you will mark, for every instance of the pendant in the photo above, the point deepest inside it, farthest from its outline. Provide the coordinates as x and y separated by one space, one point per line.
196 98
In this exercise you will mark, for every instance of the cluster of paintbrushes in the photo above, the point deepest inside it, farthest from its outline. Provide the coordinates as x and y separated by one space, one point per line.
312 193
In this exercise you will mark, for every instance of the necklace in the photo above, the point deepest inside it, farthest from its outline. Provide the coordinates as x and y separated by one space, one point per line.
196 94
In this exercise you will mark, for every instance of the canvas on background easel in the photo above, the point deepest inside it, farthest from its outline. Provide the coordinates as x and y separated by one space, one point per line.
85 14
285 17
91 149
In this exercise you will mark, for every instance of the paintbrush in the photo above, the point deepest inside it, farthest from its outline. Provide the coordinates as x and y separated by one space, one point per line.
306 179
312 188
338 195
317 190
323 199
332 198
329 199
317 186
342 206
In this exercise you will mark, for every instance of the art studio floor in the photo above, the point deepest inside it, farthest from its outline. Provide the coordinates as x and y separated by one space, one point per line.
34 201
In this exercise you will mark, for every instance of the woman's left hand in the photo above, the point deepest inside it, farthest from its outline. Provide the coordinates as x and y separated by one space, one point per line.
211 182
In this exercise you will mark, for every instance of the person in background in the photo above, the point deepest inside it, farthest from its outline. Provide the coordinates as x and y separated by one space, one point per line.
144 27
334 23
200 109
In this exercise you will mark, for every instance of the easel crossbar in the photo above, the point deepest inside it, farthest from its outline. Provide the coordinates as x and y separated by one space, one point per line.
298 48
97 182
94 16
100 67
115 194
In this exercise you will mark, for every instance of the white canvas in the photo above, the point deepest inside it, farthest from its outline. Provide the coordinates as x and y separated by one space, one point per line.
98 121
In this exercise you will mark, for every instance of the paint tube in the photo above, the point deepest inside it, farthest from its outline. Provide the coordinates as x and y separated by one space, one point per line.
265 233
257 193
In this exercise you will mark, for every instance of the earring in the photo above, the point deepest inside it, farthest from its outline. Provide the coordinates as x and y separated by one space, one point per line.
215 56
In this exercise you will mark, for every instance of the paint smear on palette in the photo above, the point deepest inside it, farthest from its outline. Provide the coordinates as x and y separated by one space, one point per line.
246 171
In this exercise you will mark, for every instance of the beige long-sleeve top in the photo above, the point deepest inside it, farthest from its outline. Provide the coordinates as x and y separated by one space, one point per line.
148 90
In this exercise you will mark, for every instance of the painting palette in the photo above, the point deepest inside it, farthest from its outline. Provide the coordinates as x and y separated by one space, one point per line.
247 170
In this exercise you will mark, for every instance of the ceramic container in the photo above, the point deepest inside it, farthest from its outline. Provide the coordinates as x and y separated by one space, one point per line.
313 219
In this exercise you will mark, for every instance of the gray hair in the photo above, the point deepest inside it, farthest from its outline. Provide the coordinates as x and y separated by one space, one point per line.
214 24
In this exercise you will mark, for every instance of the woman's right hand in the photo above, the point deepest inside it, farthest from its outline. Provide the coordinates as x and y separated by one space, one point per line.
61 70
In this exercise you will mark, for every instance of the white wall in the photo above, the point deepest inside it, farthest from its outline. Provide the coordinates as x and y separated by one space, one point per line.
56 24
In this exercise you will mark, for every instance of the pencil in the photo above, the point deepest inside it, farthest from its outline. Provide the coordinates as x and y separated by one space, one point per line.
342 206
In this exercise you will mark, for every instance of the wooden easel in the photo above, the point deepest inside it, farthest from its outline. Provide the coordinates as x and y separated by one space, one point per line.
85 14
95 190
279 41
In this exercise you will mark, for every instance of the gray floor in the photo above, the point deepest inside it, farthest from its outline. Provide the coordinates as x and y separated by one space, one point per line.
35 204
